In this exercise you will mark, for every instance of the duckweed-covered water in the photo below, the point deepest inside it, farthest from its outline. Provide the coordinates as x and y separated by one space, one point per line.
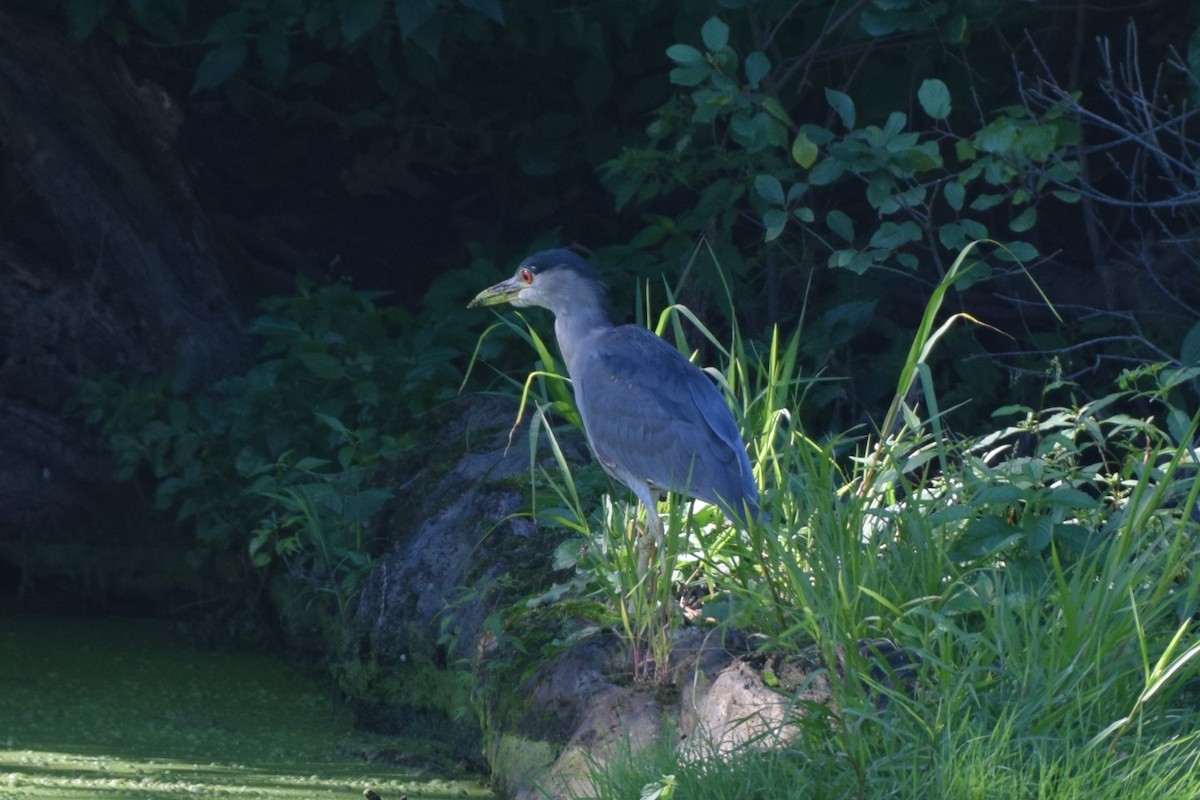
119 709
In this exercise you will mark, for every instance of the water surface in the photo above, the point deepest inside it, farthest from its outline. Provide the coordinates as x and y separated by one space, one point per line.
119 709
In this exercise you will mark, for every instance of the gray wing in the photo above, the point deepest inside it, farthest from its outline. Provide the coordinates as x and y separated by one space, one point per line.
654 415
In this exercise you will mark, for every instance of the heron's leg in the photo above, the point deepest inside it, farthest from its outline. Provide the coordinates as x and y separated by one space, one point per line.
651 541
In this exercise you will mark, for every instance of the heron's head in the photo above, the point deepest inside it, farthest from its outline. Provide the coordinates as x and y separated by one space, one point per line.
555 279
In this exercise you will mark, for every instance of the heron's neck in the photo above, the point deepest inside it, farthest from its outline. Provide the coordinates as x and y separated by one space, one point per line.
575 327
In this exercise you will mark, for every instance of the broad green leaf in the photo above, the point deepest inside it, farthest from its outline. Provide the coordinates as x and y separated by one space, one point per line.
955 29
334 424
843 105
934 98
359 18
220 64
769 188
227 26
892 235
412 15
684 54
1189 351
323 365
692 74
774 220
856 262
985 201
85 15
772 107
1016 251
826 171
715 34
757 66
1023 221
804 214
841 224
997 137
489 8
954 194
804 151
973 229
750 132
894 124
952 236
272 48
797 191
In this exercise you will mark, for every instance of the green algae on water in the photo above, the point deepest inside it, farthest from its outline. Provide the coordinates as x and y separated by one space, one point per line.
120 709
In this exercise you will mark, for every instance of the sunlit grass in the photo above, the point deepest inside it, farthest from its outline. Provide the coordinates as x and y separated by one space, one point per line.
1040 578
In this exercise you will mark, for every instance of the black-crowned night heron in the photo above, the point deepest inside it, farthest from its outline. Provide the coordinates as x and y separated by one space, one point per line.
653 419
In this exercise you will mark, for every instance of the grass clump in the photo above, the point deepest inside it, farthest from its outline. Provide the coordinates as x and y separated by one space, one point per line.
1040 579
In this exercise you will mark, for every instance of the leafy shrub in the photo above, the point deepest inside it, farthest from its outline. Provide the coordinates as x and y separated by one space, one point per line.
277 471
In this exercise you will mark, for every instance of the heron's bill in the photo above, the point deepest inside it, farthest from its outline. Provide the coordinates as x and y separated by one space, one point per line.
502 292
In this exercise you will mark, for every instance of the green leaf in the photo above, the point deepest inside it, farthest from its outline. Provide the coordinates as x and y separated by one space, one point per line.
323 365
757 66
774 220
842 104
997 137
715 34
856 262
804 151
750 132
826 171
334 424
804 214
769 188
892 235
1017 251
840 224
954 194
1189 351
489 8
894 124
272 48
227 26
1023 221
684 54
952 236
692 74
359 18
220 64
85 15
934 98
772 107
973 229
985 201
412 15
955 29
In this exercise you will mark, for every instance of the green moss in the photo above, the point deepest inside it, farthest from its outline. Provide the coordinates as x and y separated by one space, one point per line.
414 684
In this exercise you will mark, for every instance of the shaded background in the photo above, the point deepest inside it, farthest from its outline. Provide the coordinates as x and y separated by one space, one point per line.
167 166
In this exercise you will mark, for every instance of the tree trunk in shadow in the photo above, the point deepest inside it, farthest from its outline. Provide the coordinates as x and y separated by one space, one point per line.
107 265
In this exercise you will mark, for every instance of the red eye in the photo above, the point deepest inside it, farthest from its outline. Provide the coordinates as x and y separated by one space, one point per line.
526 276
